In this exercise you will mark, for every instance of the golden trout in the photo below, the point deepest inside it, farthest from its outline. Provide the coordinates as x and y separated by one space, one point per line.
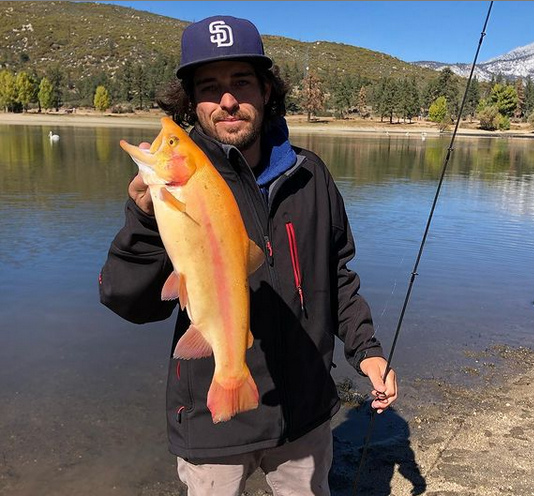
205 237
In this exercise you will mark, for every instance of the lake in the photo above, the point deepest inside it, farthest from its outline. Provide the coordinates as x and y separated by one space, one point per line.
82 391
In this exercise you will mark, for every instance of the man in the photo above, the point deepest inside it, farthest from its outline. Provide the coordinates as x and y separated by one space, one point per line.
300 298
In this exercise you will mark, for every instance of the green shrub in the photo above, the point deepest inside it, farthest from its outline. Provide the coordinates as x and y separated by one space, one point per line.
102 100
503 122
489 118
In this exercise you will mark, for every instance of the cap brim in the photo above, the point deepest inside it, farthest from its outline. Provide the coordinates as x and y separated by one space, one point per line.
261 60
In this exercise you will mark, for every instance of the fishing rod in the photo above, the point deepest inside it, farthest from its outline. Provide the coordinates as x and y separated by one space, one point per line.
414 272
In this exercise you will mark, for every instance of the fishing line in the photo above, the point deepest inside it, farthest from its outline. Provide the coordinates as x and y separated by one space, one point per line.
420 253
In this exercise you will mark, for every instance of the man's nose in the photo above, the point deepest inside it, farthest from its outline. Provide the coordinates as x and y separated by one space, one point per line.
229 102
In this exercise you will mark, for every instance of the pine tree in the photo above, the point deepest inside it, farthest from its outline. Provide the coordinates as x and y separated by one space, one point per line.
35 80
430 93
504 97
400 99
376 98
55 77
520 91
140 84
413 106
384 97
312 95
343 95
448 87
389 101
362 102
126 84
529 96
472 99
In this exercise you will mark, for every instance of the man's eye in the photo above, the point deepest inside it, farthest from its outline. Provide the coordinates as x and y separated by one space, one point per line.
243 82
208 89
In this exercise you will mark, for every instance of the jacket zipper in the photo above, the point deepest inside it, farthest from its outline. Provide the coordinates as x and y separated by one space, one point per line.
267 236
293 250
251 187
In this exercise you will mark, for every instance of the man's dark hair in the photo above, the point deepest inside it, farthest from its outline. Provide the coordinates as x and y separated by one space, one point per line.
176 100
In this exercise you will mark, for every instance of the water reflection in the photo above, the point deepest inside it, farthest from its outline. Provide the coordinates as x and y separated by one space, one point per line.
59 200
480 241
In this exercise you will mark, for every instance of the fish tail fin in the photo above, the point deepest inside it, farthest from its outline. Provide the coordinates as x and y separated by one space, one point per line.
226 400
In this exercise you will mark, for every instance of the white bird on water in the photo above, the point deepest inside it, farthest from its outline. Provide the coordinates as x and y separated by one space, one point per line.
53 137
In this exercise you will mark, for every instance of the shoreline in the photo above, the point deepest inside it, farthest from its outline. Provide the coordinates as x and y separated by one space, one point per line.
469 440
296 124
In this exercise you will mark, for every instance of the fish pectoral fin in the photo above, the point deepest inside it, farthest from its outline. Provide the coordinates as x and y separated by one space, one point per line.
167 197
170 290
192 345
250 339
256 257
174 288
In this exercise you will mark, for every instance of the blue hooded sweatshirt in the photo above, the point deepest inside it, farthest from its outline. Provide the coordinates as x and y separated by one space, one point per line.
277 155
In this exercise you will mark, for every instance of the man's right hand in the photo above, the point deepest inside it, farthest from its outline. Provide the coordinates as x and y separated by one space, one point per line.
139 191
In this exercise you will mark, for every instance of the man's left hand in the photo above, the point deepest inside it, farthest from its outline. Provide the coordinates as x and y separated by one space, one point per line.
384 393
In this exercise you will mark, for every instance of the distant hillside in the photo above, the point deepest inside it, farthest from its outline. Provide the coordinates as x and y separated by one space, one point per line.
88 38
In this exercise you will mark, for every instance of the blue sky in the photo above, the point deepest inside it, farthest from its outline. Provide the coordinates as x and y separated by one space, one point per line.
423 30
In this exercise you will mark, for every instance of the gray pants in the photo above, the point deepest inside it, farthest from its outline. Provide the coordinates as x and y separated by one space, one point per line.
299 468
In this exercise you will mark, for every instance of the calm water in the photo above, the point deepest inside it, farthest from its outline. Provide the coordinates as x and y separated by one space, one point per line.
82 391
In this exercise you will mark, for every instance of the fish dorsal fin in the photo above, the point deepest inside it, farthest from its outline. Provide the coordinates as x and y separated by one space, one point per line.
256 257
192 345
250 339
167 197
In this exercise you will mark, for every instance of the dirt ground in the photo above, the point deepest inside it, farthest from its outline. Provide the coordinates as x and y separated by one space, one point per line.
467 441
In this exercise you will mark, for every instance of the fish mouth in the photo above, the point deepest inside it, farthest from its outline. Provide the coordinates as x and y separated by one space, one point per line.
141 156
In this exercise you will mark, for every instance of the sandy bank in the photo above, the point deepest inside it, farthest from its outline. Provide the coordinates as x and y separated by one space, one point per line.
81 119
297 124
468 441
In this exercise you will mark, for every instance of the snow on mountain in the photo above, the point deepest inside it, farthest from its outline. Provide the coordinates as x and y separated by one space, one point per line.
519 62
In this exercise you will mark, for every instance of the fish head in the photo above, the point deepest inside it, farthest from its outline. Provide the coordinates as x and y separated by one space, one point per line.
169 160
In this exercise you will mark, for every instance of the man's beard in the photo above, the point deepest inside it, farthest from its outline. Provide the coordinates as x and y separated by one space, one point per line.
242 139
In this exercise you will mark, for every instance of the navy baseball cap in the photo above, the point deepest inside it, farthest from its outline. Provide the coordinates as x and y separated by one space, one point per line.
221 38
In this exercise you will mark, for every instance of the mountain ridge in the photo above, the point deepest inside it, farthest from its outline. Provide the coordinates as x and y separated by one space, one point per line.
516 63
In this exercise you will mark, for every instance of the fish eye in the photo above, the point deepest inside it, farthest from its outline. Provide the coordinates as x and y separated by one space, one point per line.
173 140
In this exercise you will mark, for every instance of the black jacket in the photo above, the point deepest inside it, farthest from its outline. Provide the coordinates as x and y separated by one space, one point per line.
301 298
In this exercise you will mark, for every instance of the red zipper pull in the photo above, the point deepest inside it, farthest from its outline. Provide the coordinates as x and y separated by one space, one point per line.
269 247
